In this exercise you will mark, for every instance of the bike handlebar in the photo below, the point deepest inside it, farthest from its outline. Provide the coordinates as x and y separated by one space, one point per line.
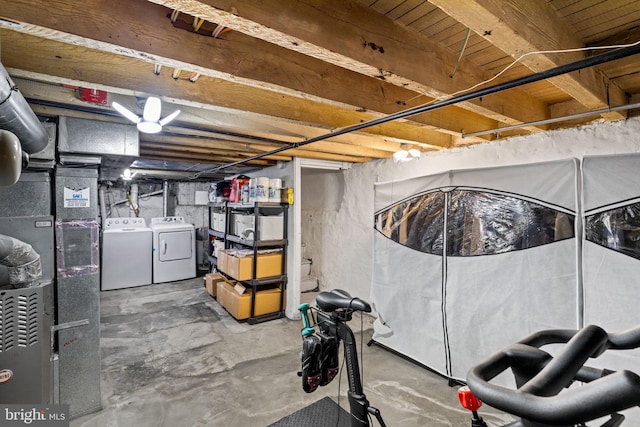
540 377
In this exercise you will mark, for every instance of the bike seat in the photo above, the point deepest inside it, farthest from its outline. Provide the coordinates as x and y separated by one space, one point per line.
338 299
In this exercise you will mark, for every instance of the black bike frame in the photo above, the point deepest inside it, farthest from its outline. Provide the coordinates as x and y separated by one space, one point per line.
333 324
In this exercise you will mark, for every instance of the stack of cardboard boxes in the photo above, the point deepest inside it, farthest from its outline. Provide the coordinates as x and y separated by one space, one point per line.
235 297
239 263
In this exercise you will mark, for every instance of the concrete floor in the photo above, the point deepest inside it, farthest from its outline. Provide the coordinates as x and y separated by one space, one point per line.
171 356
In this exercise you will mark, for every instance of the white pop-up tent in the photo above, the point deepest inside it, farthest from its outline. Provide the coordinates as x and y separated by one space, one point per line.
611 254
611 249
467 262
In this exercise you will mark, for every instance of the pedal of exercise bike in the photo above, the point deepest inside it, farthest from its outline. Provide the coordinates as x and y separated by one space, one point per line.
311 369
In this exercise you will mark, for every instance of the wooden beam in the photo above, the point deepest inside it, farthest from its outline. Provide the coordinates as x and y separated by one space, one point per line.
304 151
203 122
142 30
192 144
180 154
67 64
208 151
154 154
375 47
523 26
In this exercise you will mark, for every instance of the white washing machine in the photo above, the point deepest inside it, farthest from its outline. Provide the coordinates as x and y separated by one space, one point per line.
126 253
174 249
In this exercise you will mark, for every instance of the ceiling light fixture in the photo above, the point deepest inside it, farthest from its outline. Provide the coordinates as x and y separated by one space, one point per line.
150 121
127 175
406 153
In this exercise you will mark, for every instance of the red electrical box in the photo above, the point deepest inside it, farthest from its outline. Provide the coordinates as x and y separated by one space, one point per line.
93 96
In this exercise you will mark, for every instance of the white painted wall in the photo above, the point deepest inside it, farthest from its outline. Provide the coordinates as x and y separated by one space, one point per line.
350 230
322 193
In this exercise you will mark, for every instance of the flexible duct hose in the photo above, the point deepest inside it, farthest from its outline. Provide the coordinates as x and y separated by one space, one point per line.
22 262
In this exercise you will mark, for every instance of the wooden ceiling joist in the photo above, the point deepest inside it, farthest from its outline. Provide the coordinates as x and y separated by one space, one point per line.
296 76
523 26
348 75
376 47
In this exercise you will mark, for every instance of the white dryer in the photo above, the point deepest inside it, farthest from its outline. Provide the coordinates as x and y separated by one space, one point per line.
126 253
174 249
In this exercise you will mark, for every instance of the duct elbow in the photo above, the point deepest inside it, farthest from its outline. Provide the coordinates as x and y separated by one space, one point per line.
17 117
11 158
22 262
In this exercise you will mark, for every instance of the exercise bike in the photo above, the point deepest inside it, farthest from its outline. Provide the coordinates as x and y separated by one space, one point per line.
541 397
320 363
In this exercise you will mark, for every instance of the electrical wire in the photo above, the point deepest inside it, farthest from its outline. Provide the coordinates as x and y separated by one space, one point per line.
197 23
631 49
464 46
174 15
517 60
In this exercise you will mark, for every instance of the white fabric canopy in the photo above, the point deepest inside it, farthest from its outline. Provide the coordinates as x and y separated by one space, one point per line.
449 309
611 253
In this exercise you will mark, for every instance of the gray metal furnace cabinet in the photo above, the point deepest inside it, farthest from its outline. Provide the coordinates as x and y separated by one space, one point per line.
78 286
26 316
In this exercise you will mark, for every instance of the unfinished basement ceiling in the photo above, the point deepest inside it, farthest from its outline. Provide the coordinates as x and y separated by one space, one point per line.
253 76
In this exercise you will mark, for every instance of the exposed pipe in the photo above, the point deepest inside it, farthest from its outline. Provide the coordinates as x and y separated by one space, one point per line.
153 193
103 203
16 116
133 199
165 198
554 120
22 262
532 78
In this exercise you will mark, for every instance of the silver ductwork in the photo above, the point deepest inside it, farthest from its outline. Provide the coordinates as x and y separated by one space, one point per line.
17 117
22 262
165 198
10 158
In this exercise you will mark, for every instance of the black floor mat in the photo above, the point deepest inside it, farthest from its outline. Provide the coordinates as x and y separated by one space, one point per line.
323 413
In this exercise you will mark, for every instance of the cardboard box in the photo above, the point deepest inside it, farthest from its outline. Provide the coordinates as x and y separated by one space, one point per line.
239 306
241 268
222 261
223 288
211 282
220 293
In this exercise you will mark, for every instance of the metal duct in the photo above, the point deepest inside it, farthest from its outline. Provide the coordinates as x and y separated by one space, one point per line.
22 262
10 158
16 116
165 198
133 200
102 201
